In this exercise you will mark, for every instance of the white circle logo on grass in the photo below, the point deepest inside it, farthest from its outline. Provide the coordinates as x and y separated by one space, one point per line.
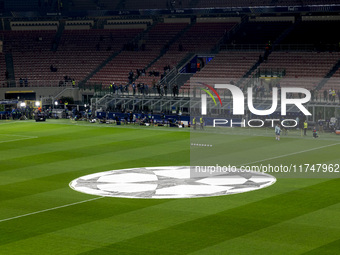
168 182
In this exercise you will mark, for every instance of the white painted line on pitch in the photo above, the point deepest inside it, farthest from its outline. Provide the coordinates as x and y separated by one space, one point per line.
23 137
20 135
290 154
50 209
17 140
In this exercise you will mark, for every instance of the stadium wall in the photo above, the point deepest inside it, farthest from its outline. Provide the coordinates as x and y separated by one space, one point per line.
49 92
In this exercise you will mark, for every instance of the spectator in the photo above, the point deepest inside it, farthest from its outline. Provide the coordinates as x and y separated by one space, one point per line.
333 95
146 89
175 90
142 88
53 69
130 76
138 71
134 88
165 89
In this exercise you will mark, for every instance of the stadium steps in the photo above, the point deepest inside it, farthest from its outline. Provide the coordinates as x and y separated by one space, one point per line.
172 41
249 72
328 75
111 57
10 68
181 79
286 32
276 42
65 92
165 49
178 77
58 35
228 38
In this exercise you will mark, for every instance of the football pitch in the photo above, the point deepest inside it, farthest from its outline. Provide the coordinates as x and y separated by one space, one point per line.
41 214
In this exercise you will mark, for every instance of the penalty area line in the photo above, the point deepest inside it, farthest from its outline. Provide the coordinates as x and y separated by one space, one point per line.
14 140
20 137
291 154
50 209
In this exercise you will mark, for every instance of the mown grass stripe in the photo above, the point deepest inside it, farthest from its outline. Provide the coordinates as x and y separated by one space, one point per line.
213 229
53 179
293 236
66 217
132 223
331 248
88 150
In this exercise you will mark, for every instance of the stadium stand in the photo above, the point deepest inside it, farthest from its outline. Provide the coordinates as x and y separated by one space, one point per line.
333 82
316 35
227 66
197 39
202 36
156 4
3 68
104 50
233 3
84 5
117 69
303 69
260 33
78 54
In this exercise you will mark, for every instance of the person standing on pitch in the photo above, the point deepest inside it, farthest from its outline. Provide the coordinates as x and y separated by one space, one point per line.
277 132
194 122
305 126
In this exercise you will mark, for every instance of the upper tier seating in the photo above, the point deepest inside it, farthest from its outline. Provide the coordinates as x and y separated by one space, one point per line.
260 32
303 69
318 34
201 37
233 3
3 70
226 67
117 69
79 53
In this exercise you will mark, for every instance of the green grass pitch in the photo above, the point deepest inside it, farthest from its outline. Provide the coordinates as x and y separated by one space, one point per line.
41 214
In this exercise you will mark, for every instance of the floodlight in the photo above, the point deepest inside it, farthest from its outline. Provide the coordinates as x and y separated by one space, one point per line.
37 103
22 104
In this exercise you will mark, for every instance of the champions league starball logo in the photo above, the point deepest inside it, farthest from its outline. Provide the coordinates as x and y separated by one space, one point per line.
239 105
169 182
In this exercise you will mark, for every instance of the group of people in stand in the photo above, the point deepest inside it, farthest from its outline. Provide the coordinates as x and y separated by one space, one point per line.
143 89
331 95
